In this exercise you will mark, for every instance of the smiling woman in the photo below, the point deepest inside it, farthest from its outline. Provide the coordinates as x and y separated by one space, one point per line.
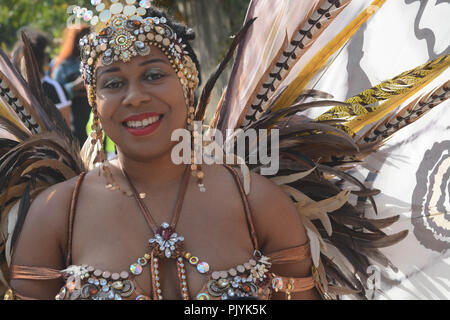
142 226
141 75
140 104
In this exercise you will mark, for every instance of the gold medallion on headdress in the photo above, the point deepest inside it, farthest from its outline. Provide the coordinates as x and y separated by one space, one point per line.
124 30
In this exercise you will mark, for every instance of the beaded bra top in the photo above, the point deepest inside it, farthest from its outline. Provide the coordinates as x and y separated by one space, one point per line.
250 280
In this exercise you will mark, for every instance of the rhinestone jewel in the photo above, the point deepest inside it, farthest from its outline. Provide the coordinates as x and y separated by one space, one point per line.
88 15
203 267
96 2
105 16
145 4
136 269
116 8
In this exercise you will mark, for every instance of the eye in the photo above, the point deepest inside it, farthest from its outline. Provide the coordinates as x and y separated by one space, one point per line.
153 74
114 83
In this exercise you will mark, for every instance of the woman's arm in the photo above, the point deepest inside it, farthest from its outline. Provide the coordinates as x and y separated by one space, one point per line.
42 241
278 226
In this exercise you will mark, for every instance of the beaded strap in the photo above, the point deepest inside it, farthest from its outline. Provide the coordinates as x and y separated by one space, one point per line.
248 215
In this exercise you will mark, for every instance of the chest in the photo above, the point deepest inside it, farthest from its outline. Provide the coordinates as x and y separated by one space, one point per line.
110 234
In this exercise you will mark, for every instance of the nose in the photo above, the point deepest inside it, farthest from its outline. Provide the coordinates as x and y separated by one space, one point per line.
136 95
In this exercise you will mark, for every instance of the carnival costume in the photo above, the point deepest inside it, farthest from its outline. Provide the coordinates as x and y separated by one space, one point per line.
271 83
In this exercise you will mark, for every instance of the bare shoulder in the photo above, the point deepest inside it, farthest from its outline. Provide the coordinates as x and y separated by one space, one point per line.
277 221
40 243
46 221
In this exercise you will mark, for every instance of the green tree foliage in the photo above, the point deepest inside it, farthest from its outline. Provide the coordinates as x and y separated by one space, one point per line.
51 16
47 15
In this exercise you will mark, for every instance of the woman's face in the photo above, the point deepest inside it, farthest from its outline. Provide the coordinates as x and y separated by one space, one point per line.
140 104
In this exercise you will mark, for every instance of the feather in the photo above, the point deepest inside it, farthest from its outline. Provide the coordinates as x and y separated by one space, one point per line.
11 193
312 228
32 71
89 152
294 193
54 164
373 225
321 14
315 246
12 221
258 50
352 180
425 74
19 101
269 119
279 180
322 57
12 129
320 209
342 291
407 115
24 205
206 93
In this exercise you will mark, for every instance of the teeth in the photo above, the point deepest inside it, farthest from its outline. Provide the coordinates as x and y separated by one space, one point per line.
142 124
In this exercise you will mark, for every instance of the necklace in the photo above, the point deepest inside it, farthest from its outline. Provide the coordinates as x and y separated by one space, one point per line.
166 244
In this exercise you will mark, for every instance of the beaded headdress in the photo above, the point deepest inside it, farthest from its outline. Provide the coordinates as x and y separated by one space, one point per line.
124 30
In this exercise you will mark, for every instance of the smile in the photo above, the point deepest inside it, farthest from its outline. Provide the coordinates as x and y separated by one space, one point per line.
142 124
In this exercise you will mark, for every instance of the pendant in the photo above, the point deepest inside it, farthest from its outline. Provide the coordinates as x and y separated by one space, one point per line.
166 242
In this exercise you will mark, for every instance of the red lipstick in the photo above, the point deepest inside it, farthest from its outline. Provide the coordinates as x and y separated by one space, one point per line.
144 131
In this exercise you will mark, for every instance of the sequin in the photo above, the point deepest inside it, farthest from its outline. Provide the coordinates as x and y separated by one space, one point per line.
136 269
203 296
203 267
62 294
141 11
128 288
193 260
115 276
98 273
240 268
94 21
96 2
142 261
118 285
100 7
129 11
88 15
277 283
223 283
145 4
116 8
105 16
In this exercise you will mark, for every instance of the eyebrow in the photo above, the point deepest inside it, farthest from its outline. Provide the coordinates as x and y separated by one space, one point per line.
116 69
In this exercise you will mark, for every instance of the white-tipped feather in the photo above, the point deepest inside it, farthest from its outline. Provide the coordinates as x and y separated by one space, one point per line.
12 221
292 177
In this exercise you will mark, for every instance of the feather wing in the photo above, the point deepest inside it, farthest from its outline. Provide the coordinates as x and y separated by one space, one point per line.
258 51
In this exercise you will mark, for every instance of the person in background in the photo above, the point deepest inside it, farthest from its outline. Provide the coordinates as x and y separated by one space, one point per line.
66 71
52 89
